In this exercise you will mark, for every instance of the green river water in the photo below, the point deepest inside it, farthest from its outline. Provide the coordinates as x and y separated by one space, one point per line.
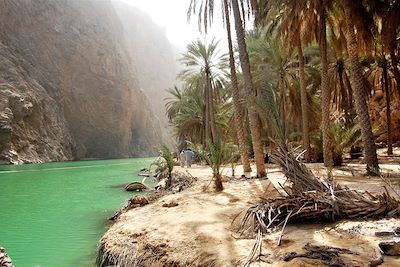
53 214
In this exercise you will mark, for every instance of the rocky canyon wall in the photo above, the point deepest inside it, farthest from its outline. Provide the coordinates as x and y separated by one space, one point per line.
154 58
68 84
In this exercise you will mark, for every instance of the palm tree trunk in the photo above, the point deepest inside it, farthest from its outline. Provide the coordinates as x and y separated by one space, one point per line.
214 134
238 111
281 88
388 112
207 115
357 83
325 99
395 67
248 84
304 103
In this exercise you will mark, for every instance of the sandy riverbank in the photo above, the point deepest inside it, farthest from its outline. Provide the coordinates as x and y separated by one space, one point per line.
200 230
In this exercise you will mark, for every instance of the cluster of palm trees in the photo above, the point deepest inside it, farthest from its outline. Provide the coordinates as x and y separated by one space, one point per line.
322 58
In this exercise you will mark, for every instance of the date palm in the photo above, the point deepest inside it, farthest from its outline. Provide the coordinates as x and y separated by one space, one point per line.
205 14
380 77
388 12
254 119
270 58
205 10
186 112
388 44
354 14
298 21
205 68
294 22
237 98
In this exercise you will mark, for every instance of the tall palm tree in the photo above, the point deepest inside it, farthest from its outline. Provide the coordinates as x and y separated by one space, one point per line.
205 67
381 77
325 98
304 101
389 13
241 135
205 19
254 120
186 112
295 22
270 58
352 13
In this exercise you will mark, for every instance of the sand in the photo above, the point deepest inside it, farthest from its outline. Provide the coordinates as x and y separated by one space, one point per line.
201 229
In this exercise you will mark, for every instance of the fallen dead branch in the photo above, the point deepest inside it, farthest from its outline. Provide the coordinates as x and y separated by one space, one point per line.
310 199
328 255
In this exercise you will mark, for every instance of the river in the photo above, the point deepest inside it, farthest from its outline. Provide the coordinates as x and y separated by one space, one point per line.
53 214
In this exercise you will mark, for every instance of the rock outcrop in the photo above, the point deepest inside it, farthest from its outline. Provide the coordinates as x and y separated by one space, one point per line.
68 85
32 126
5 260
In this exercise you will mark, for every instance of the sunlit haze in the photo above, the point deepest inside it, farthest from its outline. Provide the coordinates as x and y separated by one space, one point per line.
172 15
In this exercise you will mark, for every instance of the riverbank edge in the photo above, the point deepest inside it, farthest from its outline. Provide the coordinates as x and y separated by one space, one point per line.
157 236
131 257
5 259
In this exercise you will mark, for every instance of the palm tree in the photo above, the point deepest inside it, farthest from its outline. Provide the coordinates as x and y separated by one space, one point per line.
238 112
206 68
294 22
169 161
254 120
270 58
186 112
389 13
325 98
352 9
205 10
297 21
380 76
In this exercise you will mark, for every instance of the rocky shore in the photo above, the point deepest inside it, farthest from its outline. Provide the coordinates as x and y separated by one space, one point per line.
5 260
200 228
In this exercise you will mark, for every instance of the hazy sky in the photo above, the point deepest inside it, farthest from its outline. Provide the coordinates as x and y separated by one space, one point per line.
171 15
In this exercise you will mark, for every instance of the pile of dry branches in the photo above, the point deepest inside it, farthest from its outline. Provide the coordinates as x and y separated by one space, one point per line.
311 199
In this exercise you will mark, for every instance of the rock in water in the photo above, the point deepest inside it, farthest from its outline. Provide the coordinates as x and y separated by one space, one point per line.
135 186
162 184
5 260
390 248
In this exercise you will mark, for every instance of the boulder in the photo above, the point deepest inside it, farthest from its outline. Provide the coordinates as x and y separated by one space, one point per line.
162 184
135 186
390 248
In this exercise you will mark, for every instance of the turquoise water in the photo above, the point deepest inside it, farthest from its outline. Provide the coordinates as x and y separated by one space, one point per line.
53 214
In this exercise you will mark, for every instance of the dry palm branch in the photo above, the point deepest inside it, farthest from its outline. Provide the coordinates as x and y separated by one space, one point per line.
309 198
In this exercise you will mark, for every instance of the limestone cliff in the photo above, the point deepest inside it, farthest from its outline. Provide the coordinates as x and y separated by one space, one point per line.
32 127
68 88
154 58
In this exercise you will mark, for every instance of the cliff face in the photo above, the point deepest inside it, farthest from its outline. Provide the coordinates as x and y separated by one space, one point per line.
71 74
31 123
153 56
